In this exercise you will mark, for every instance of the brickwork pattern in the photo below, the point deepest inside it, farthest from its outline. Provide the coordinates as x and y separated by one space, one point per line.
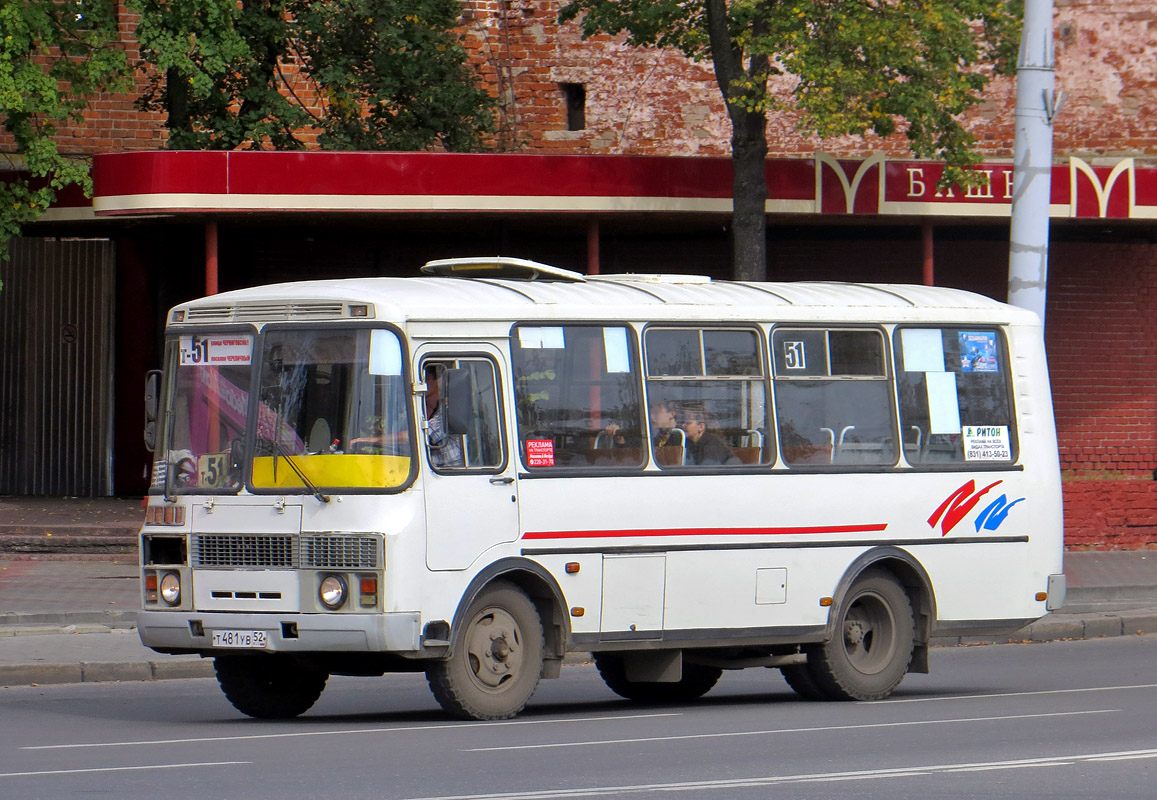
112 122
1102 345
1111 515
648 102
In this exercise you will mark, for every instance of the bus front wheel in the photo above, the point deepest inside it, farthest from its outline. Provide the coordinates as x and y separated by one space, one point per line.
496 660
273 687
872 647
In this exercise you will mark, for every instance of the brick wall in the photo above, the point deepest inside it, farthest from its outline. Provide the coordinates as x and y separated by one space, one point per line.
656 102
1102 346
1111 515
644 101
112 122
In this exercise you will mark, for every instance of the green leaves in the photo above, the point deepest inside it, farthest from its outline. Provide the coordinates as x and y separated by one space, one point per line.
393 76
888 65
386 74
55 57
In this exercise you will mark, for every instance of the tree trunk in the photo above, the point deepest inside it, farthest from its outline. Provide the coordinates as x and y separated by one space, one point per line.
177 103
748 146
749 196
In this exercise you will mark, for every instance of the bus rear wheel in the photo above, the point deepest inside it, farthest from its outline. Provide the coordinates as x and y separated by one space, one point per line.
872 647
496 660
269 687
697 681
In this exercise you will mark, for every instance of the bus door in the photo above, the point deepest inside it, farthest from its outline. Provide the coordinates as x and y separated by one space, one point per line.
471 495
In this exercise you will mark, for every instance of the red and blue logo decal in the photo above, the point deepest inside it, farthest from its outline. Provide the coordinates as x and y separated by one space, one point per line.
957 505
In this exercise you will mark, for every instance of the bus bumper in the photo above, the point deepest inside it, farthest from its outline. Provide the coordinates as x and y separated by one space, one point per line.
185 632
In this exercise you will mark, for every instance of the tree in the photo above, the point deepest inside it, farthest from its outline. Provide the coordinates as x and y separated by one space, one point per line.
55 57
383 74
856 66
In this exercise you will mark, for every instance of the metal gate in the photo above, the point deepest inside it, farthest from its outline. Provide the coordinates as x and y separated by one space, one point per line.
56 368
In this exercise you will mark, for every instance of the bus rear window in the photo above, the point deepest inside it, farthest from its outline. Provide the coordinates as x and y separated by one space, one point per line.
953 387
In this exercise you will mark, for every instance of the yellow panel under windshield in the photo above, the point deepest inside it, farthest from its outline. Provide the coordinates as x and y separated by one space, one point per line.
347 471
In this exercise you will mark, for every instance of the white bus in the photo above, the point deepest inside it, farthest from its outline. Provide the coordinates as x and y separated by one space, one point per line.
478 471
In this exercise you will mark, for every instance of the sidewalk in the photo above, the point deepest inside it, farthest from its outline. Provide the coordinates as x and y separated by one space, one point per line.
70 621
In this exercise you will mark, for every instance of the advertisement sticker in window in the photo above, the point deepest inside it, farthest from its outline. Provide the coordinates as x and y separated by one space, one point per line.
986 443
539 453
978 352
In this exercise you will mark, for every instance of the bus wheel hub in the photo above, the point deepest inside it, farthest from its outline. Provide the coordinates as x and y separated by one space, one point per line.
854 633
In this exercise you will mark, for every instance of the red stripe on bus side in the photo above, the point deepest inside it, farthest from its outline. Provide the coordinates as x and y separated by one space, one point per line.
876 528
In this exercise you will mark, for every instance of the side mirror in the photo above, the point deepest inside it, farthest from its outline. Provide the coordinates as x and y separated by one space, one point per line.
152 407
458 398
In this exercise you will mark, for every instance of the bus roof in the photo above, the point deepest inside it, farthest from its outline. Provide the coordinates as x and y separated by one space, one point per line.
564 295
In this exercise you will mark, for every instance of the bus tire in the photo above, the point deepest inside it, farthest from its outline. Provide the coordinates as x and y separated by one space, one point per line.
799 678
697 681
272 687
496 661
872 647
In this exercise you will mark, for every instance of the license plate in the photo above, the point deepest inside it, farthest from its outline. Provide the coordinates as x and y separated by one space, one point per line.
245 639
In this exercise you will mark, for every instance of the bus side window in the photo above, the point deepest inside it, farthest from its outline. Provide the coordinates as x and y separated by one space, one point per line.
832 397
468 432
706 396
577 396
953 391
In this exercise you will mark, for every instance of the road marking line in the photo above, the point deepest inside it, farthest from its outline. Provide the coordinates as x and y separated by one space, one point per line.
299 734
771 780
122 769
1142 754
818 729
1008 694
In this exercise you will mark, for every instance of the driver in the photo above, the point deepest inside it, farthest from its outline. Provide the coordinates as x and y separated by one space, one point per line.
445 448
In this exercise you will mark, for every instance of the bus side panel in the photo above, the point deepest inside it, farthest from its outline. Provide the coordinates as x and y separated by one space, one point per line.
757 551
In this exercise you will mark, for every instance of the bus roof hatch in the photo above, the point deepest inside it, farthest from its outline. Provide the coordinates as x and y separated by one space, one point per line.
500 267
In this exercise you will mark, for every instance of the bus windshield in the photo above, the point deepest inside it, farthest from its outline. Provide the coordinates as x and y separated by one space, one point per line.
292 410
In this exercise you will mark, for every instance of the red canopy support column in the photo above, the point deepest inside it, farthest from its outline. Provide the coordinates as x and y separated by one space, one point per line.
592 246
210 257
929 272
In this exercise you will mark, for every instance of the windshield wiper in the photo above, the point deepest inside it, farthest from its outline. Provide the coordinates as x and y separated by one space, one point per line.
280 450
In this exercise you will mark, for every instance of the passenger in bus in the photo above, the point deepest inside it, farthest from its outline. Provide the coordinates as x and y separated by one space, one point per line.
663 425
664 428
445 449
704 448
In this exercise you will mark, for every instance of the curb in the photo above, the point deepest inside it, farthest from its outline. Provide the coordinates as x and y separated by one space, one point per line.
1054 627
103 671
16 623
1057 627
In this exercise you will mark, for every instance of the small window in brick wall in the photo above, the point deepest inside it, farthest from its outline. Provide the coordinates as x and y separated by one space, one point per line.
575 95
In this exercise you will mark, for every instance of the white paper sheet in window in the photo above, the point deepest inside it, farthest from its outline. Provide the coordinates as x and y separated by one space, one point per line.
615 345
943 402
923 349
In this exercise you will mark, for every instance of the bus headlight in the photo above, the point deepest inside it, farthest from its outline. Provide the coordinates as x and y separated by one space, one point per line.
332 591
171 588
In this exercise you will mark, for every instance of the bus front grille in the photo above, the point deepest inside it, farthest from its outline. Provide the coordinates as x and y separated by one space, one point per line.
285 552
273 552
339 552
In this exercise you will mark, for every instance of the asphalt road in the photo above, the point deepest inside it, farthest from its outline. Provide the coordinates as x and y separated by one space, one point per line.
1051 720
